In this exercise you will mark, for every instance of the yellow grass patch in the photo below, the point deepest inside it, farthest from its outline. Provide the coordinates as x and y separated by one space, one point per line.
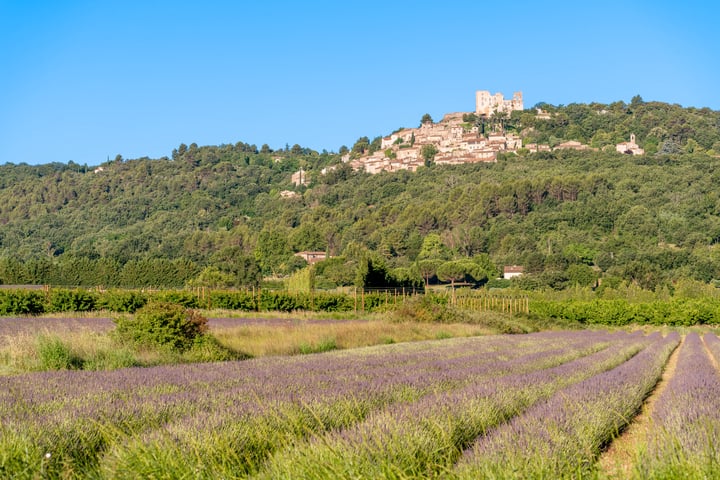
261 340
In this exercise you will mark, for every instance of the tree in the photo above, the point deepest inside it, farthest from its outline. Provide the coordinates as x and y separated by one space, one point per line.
428 153
426 119
372 273
452 271
581 274
433 248
212 277
272 250
361 146
428 269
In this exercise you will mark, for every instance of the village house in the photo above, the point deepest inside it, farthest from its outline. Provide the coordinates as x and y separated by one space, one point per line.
455 140
512 271
630 148
572 145
312 257
538 147
299 178
542 114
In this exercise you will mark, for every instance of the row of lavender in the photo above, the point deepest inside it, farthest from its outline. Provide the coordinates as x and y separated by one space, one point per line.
684 440
426 438
563 436
227 419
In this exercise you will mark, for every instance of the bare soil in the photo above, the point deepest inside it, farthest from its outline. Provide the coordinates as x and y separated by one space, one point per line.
617 461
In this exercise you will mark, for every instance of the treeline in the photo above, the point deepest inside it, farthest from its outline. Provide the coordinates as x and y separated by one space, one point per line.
659 127
229 215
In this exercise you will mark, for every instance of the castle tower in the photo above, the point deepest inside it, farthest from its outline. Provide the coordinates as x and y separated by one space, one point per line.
517 101
483 103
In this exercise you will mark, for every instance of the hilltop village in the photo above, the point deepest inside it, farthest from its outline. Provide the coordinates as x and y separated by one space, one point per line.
459 138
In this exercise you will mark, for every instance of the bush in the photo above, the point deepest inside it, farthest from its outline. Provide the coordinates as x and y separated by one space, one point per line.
283 302
121 301
163 325
53 354
72 301
244 301
328 302
21 302
206 348
428 309
186 299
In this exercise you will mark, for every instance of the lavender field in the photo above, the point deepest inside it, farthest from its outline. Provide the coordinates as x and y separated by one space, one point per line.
540 405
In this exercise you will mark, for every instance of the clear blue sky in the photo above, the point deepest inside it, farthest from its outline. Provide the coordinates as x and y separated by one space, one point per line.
86 80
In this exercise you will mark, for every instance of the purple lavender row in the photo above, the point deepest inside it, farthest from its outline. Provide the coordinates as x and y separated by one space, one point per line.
324 382
685 436
562 436
138 399
443 375
425 437
12 326
36 394
239 427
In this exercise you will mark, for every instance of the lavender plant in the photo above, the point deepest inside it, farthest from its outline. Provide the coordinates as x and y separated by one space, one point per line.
562 436
684 441
425 437
104 423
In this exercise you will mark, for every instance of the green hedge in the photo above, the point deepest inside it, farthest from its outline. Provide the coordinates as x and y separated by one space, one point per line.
22 302
72 301
676 312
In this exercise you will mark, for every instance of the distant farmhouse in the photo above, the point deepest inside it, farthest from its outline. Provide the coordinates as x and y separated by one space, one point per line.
512 271
312 257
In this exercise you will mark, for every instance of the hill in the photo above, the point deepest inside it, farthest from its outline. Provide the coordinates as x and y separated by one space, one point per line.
216 215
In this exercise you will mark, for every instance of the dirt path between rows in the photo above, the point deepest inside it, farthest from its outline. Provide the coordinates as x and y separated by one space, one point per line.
617 461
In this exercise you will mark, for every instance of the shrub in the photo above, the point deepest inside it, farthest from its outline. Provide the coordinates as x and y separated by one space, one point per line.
163 325
122 301
428 309
186 299
282 301
53 354
244 301
21 302
206 348
328 302
72 301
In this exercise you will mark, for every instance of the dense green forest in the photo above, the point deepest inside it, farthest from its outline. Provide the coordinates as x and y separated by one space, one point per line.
214 216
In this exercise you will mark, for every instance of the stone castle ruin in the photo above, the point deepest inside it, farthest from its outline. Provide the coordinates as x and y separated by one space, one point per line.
487 104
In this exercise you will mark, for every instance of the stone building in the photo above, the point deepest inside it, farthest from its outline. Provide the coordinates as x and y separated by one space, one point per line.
299 178
487 104
631 148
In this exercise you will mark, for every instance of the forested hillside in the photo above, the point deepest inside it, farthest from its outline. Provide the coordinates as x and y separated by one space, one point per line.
214 215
